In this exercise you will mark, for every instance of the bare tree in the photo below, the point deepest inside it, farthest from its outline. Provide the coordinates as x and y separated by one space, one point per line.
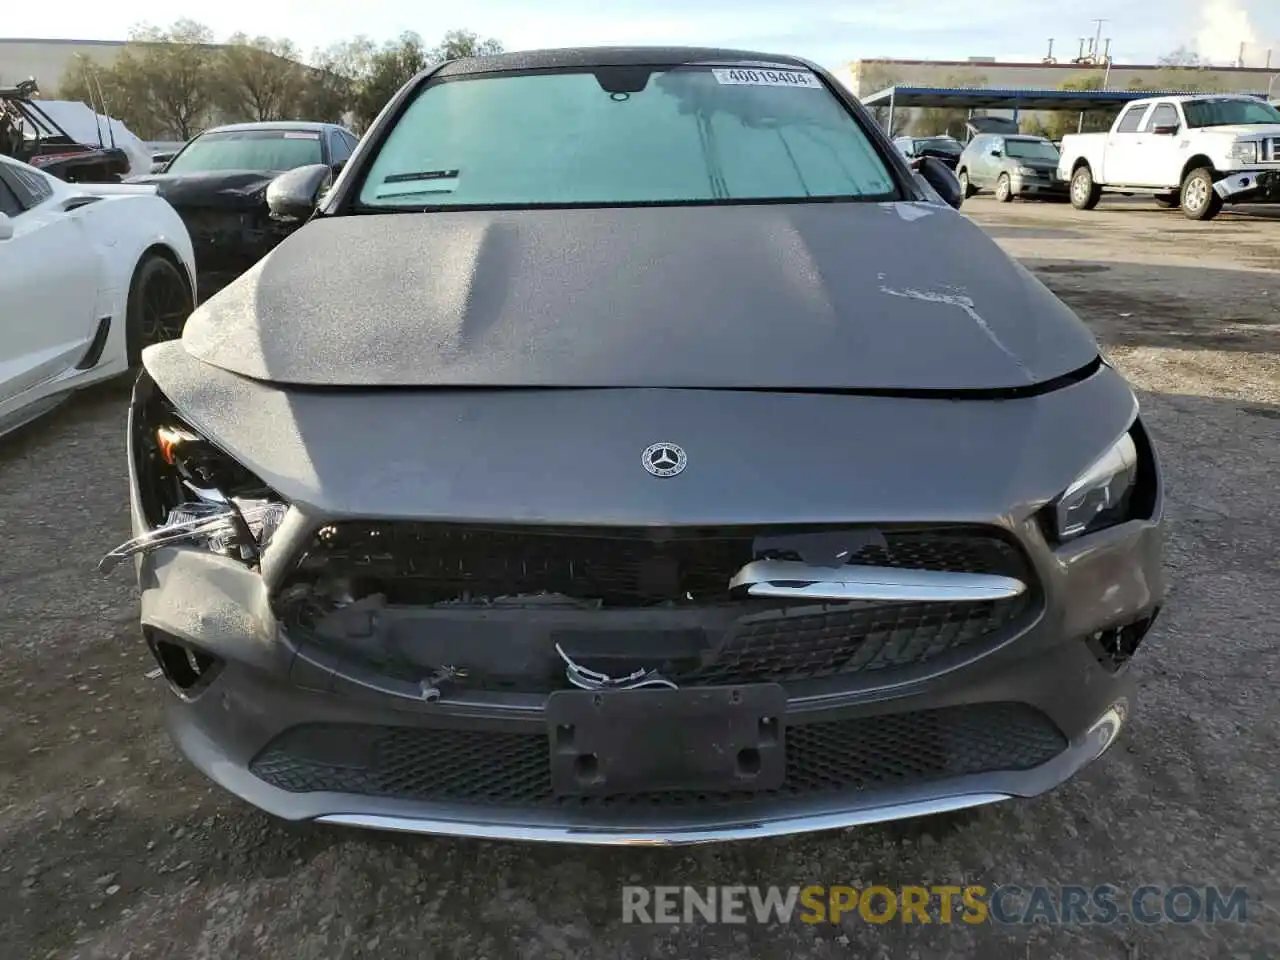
464 43
1184 56
944 120
260 79
873 78
170 82
176 69
339 73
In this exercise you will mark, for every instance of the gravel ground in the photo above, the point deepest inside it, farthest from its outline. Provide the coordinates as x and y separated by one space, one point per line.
111 847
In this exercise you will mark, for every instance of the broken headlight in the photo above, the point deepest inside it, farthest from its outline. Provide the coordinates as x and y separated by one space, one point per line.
199 494
1100 496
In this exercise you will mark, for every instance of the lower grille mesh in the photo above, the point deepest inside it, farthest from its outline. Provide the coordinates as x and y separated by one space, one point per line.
853 639
491 768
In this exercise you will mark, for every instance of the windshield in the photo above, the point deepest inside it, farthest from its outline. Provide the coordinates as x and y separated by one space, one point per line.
1031 150
1220 113
941 145
249 150
625 135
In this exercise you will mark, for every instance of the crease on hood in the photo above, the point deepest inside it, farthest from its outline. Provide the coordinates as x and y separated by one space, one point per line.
966 304
908 211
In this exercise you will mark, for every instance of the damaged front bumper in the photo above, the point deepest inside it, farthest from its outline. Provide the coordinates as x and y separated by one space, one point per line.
1250 186
306 735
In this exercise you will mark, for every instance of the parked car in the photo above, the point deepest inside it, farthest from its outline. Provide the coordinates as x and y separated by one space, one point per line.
946 149
1196 152
31 135
1011 166
650 458
218 184
162 151
89 275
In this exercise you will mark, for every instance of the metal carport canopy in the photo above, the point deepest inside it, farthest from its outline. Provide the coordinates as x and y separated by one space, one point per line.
1012 98
1008 98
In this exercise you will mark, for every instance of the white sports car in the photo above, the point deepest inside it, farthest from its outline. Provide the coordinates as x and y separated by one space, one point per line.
89 275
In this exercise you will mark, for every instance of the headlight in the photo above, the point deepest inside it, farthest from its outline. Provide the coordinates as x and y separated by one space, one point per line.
1246 152
1099 497
1026 172
200 495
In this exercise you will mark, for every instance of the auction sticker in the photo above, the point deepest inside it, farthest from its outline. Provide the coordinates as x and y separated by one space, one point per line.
755 77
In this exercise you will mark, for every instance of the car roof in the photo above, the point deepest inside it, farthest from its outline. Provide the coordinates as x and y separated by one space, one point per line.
306 125
1189 97
612 57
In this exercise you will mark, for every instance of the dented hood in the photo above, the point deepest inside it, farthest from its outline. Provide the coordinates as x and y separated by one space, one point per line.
823 296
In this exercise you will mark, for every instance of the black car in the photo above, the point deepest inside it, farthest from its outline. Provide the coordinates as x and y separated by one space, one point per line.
218 184
946 149
1012 166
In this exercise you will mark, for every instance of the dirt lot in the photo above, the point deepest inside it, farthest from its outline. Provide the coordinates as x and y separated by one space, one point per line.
111 847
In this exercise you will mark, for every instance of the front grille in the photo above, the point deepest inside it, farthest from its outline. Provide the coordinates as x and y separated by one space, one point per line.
1271 149
504 769
413 562
856 638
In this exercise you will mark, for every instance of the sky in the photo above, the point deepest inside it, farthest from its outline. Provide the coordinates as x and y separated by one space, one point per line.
832 32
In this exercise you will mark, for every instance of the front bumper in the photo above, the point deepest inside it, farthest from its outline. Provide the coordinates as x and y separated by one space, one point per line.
227 242
1045 186
304 739
1250 186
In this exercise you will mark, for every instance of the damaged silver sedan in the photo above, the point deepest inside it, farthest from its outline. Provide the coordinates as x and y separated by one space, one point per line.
633 448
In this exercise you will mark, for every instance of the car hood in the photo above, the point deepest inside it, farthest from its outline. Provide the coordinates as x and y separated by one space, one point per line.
823 296
229 189
1034 164
1246 130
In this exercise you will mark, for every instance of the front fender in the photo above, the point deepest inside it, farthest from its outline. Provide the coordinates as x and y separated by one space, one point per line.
124 227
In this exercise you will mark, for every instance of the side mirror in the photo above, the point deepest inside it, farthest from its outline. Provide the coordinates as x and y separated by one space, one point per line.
158 166
1165 130
942 179
293 195
997 153
6 227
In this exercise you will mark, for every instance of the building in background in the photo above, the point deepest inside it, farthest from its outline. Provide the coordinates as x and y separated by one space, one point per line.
48 60
868 76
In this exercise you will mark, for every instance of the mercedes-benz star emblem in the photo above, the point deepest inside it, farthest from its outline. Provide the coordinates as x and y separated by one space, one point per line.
664 459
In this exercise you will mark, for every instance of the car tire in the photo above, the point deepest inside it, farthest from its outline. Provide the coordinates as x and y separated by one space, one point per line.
1199 201
1004 189
967 189
1167 201
1085 194
160 301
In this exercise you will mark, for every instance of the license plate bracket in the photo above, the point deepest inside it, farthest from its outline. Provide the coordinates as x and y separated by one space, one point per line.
612 742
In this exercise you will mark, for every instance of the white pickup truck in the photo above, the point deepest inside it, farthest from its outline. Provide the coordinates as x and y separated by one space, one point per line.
1197 152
